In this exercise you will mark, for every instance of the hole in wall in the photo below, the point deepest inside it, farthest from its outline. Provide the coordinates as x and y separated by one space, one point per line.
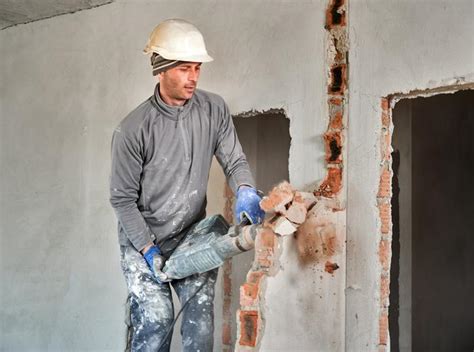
265 139
431 286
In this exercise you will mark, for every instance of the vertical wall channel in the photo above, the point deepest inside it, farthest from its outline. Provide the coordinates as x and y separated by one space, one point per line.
250 316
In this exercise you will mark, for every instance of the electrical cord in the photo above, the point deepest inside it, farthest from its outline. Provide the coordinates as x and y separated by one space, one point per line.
180 311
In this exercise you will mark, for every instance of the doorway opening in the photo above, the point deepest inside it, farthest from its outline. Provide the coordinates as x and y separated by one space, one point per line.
432 267
265 139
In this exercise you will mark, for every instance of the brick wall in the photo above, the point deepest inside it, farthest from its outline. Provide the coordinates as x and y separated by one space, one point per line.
384 196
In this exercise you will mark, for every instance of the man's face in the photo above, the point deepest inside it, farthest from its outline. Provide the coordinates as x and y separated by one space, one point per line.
179 83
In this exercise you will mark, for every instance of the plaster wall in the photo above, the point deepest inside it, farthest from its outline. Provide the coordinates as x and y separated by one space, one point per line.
66 83
396 46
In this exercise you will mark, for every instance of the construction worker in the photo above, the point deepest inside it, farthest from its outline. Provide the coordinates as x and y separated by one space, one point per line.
161 156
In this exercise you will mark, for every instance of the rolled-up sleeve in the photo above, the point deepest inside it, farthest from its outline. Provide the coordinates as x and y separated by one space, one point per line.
230 155
127 165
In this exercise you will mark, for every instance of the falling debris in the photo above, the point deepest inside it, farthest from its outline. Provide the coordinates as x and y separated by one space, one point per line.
311 218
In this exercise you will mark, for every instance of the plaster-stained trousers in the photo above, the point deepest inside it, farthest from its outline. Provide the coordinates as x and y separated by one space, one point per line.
152 311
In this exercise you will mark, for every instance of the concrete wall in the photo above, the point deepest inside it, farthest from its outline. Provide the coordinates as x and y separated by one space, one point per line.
396 46
66 83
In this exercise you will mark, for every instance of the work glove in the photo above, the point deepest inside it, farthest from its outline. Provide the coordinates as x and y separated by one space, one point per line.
247 206
156 262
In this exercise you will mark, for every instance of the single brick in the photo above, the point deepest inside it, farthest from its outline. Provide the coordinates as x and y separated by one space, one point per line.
335 122
385 213
248 327
383 329
226 334
331 185
384 289
283 226
248 294
337 101
296 213
385 254
265 239
386 147
278 197
385 185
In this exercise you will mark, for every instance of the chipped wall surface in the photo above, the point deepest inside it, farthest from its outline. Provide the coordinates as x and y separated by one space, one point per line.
395 47
60 106
58 110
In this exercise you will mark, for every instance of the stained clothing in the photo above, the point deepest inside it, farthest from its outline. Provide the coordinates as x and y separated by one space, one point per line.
161 156
152 311
151 304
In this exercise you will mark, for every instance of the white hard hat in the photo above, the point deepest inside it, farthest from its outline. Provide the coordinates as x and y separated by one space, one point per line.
177 39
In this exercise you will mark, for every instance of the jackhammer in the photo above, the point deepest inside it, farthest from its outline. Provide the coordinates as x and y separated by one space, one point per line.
209 247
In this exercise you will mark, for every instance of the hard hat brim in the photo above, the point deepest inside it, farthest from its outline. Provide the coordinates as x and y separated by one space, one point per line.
204 57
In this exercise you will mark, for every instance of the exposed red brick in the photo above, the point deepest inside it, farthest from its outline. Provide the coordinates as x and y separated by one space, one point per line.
385 104
332 184
226 276
383 329
254 277
226 334
264 258
330 267
385 120
335 14
384 288
385 186
335 121
385 213
278 197
336 101
248 327
384 254
265 239
386 148
228 195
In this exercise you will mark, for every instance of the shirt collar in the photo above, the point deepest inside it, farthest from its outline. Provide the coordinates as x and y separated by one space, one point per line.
172 112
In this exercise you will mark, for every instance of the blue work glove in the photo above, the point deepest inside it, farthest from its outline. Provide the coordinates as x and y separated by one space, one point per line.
156 262
247 206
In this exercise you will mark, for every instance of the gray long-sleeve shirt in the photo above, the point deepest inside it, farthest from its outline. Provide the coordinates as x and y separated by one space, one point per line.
161 156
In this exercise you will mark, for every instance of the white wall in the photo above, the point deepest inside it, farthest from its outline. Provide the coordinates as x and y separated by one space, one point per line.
396 46
66 82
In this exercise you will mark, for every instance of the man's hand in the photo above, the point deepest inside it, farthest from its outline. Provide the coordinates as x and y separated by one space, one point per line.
248 206
156 262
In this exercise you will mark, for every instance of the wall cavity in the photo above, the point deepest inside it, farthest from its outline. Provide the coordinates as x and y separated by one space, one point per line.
321 236
384 203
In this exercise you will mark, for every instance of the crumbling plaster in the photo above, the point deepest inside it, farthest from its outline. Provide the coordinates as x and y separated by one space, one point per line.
403 47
